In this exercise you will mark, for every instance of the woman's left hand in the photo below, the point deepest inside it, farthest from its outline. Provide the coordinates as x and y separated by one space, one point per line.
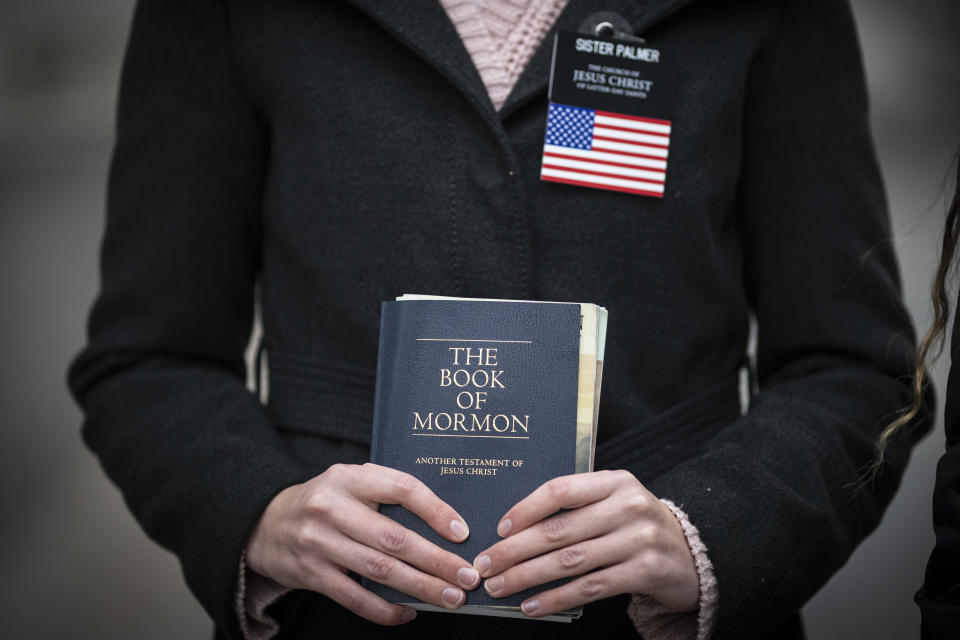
617 536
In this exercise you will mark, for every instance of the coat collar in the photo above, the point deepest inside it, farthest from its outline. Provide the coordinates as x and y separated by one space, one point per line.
428 32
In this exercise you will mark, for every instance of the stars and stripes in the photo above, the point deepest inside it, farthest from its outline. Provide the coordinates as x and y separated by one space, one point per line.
605 150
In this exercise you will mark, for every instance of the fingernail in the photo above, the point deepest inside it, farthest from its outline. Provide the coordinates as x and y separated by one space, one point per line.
468 577
530 606
452 597
504 529
459 529
408 615
482 563
494 584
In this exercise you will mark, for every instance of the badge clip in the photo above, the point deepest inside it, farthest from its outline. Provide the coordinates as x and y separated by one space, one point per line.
608 24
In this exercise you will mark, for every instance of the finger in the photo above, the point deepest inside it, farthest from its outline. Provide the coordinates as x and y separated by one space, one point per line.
394 573
568 561
380 532
592 586
347 593
560 530
389 486
565 492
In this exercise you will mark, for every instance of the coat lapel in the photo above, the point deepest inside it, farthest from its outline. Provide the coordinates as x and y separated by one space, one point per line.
426 30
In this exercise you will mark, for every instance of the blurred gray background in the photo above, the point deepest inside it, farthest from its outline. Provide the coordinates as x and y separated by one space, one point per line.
72 562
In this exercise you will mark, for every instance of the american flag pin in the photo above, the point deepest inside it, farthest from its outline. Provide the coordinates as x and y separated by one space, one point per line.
604 150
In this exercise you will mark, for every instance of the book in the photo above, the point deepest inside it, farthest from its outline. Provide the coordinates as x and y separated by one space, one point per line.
484 401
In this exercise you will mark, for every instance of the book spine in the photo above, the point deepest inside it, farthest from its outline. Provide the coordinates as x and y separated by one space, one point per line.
387 363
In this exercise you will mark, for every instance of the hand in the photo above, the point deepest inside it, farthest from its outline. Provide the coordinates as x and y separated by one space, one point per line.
312 534
618 537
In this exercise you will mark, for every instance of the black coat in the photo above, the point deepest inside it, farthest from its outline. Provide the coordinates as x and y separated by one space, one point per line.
345 152
939 597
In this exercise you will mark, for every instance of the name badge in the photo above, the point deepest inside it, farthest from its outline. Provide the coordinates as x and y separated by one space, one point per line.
609 119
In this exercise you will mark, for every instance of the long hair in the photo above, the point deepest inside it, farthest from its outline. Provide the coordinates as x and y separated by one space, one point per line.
931 346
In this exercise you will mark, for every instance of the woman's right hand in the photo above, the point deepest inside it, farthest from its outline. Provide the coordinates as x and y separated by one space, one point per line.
312 534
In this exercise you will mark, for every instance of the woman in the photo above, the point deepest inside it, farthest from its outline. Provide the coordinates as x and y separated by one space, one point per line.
342 153
939 596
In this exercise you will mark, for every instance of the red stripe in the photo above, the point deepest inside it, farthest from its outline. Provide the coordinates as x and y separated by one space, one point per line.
637 118
607 187
631 154
606 175
629 130
553 154
621 140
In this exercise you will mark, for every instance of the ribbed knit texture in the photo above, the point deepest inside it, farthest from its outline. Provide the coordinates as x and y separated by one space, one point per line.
254 594
501 36
653 620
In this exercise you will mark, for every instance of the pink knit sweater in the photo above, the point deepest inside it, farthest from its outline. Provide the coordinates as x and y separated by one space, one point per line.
501 36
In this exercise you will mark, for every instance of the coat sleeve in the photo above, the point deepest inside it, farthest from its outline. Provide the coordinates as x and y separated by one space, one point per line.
161 381
776 495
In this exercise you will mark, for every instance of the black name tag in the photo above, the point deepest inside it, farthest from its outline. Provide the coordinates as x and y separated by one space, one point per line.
610 114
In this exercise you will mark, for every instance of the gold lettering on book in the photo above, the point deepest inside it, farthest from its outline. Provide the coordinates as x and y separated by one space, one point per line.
472 369
490 360
477 467
443 421
480 378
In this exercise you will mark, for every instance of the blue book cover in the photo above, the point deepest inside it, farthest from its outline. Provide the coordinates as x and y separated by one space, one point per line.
478 399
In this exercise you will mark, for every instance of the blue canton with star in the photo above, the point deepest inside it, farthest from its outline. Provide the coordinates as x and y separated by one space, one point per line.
569 126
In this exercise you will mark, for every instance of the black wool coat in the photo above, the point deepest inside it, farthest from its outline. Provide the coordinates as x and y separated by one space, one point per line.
939 597
341 153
